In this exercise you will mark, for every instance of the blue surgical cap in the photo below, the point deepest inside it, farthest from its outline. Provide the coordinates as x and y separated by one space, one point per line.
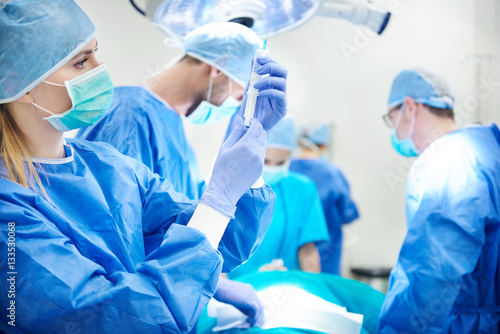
282 135
37 38
229 47
319 134
424 87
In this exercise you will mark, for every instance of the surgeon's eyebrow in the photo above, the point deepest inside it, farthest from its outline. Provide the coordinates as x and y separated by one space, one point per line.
88 51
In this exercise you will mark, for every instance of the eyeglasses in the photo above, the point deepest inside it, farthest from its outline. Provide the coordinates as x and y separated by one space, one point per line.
387 119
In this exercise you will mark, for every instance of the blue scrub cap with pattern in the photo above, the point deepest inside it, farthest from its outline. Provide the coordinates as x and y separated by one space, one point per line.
229 47
37 38
424 87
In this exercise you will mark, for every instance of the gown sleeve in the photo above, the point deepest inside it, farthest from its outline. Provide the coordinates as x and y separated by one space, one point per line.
59 289
243 235
134 137
449 201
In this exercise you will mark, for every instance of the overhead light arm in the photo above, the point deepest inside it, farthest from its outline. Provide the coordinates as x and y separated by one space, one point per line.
357 12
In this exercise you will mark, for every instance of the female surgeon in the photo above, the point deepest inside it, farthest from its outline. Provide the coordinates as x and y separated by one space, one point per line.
91 241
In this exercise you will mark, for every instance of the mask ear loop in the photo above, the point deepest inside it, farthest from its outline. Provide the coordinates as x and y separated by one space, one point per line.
39 107
400 113
54 84
412 126
42 108
209 93
230 88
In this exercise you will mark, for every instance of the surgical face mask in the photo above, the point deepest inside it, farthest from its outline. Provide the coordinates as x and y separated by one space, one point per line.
207 113
406 147
274 174
91 95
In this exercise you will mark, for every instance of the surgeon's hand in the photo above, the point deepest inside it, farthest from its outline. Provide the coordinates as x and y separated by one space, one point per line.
243 297
271 105
238 166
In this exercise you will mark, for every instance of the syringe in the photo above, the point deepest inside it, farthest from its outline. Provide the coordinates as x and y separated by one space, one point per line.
252 92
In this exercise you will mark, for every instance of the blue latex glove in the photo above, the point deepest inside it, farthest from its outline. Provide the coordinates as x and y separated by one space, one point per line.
242 296
238 166
271 105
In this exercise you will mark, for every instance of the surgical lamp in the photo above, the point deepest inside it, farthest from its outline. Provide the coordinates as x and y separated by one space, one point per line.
266 17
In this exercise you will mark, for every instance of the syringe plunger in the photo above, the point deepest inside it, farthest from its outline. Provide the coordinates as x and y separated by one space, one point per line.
253 93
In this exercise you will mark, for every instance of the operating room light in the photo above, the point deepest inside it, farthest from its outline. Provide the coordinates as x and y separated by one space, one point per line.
266 17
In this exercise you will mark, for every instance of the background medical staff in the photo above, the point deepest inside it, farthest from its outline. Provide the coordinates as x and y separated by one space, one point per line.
84 215
206 85
338 73
333 188
298 220
446 279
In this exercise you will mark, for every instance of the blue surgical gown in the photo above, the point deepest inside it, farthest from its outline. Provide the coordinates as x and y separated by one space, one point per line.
447 278
84 260
141 125
338 207
298 220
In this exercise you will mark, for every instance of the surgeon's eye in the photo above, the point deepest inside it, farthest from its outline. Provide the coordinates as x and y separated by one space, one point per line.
81 63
